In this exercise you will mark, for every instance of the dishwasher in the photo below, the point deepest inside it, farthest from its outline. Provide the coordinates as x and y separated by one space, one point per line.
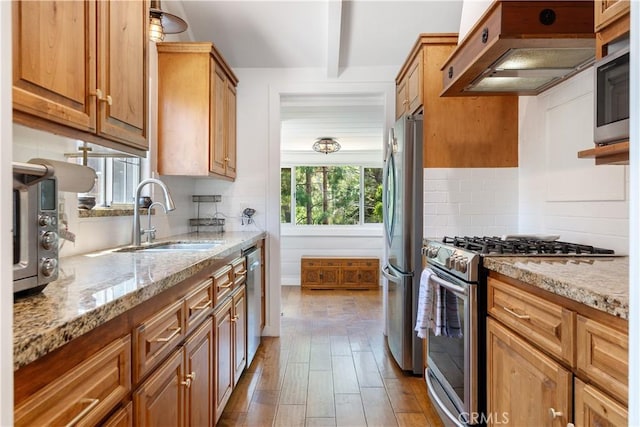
254 300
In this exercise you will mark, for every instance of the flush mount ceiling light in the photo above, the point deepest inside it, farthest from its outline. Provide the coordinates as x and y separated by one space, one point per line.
161 23
326 145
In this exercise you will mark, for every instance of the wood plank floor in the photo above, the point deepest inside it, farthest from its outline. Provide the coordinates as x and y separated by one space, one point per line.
329 367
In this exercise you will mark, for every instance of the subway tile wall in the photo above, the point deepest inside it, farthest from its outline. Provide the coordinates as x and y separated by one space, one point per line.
470 201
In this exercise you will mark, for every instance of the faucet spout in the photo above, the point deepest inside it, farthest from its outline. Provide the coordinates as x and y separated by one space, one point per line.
168 205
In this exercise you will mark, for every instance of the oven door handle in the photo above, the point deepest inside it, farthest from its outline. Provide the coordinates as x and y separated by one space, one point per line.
458 290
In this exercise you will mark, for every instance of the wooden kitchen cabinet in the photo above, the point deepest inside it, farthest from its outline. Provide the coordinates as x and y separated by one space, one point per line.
460 131
85 394
528 329
72 76
239 323
339 273
199 364
196 111
523 382
123 417
223 350
160 399
595 409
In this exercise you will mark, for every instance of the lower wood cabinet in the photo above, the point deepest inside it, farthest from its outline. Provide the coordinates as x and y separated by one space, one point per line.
199 364
123 417
239 323
339 273
532 376
224 356
86 394
524 385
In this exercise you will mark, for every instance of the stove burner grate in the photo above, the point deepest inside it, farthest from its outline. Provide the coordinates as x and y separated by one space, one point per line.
522 246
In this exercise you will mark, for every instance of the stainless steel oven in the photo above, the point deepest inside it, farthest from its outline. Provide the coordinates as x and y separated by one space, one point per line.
454 366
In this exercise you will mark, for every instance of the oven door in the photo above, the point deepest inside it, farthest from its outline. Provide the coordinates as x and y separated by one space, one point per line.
452 363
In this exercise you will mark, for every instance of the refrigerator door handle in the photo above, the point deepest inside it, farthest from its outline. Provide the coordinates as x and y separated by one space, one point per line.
394 275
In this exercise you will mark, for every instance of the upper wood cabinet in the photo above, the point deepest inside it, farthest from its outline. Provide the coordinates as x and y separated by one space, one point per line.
80 70
196 111
607 12
458 132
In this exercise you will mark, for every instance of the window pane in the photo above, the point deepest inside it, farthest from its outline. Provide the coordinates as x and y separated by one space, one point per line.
372 195
327 195
285 195
126 175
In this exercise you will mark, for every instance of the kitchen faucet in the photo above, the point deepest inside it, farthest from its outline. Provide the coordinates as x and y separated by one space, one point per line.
151 231
168 206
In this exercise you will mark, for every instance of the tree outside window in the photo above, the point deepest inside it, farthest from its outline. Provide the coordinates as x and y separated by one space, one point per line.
331 195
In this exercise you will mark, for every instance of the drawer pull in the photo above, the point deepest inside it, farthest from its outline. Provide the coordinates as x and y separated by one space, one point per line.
519 316
235 318
228 285
175 333
554 414
92 403
241 273
203 306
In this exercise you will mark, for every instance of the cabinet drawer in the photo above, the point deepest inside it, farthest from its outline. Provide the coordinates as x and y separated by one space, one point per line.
122 418
84 395
544 323
239 267
157 337
222 283
199 304
603 356
306 262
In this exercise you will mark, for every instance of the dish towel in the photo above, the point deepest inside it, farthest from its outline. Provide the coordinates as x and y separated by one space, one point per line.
427 298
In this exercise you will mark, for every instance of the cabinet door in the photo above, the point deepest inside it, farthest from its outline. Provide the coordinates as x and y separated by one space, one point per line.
123 417
223 356
351 275
122 71
217 143
159 401
414 85
607 11
199 374
596 409
523 384
369 274
402 100
239 320
54 74
230 140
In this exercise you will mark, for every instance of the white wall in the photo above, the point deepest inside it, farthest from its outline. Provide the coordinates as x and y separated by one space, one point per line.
470 202
559 193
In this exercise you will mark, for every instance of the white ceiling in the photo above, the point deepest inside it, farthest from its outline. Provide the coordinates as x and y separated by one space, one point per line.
329 34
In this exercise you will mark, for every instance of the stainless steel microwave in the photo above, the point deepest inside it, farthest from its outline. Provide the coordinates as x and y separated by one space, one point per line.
611 95
35 228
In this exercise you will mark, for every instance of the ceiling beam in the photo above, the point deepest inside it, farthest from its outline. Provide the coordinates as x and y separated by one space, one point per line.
334 27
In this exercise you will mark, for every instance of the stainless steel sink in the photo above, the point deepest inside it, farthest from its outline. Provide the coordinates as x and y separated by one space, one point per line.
173 246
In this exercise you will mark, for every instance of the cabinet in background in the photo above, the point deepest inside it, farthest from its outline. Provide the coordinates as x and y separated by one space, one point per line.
458 132
339 273
196 111
223 350
239 324
72 76
199 365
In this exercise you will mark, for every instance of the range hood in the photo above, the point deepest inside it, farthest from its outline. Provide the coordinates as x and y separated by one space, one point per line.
522 48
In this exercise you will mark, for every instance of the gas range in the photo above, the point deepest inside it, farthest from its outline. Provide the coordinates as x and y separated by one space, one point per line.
461 256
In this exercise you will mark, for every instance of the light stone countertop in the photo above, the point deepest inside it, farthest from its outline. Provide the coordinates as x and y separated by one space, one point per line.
94 288
598 282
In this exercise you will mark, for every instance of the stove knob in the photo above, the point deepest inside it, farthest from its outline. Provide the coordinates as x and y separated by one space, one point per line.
433 252
45 220
48 266
461 265
49 239
450 262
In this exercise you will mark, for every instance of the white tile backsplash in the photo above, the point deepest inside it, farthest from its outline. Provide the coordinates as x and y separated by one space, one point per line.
470 201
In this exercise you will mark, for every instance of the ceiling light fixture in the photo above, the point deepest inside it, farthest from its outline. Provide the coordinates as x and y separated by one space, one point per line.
161 23
326 145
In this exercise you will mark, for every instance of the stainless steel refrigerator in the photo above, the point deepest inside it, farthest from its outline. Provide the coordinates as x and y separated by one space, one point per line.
403 206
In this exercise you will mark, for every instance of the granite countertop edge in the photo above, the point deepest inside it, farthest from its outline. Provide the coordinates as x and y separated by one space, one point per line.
37 334
606 292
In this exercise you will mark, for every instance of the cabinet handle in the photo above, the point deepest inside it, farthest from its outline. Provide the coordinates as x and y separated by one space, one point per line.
188 380
405 102
92 404
226 159
175 332
235 318
554 414
98 94
513 313
228 285
241 273
203 306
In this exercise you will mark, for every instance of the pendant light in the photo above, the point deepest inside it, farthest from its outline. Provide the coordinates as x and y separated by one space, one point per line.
326 145
161 23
